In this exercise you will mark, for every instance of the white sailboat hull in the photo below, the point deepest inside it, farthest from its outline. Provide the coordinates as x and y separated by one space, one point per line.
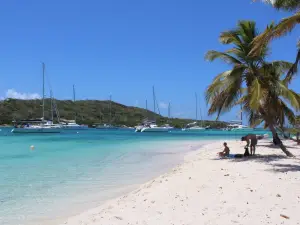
29 130
156 129
78 127
200 129
242 129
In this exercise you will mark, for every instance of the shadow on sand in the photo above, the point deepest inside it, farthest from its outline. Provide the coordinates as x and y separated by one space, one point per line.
260 158
269 159
275 147
284 168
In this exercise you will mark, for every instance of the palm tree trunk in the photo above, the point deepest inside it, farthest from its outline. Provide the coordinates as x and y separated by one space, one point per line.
281 145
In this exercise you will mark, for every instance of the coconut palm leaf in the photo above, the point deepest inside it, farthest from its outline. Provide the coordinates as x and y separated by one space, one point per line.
293 69
213 55
289 5
273 31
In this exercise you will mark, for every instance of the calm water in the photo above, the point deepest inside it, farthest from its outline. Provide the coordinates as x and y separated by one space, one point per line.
71 172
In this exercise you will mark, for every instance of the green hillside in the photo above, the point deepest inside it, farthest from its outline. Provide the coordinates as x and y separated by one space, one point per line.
87 112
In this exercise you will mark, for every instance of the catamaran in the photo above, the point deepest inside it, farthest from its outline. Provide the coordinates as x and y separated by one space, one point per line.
151 126
38 125
237 125
194 127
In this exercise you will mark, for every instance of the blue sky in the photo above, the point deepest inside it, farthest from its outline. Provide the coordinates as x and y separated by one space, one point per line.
123 48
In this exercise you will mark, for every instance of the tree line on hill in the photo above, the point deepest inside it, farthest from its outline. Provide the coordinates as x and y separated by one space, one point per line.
88 112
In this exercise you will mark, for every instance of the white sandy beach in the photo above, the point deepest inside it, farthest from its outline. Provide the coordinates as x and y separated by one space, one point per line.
206 190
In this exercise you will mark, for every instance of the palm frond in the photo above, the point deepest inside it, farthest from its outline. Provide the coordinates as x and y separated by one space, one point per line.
230 37
289 95
281 66
293 69
288 113
247 31
256 94
289 5
286 25
219 83
223 97
255 119
213 55
274 31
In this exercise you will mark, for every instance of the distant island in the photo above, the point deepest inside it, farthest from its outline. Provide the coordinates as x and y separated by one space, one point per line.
88 112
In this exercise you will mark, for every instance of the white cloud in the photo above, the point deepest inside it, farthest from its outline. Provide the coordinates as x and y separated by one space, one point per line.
12 93
163 105
266 1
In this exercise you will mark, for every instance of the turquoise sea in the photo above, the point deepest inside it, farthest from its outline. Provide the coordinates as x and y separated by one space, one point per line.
73 171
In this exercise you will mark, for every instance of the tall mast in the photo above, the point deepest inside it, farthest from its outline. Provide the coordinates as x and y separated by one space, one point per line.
201 116
43 91
74 93
241 114
74 97
169 110
154 104
146 104
110 109
196 106
51 101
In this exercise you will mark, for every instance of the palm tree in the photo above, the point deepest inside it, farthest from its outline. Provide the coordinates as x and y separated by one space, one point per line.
258 86
284 27
297 127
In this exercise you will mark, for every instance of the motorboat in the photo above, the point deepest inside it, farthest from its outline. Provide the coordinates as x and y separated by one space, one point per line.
106 127
72 125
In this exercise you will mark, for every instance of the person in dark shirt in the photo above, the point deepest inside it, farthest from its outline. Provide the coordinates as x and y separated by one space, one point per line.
251 140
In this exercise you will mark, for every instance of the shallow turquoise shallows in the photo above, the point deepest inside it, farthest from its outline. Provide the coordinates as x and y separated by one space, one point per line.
70 172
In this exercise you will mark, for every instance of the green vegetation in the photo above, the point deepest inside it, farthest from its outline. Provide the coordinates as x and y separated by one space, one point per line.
281 29
87 112
260 87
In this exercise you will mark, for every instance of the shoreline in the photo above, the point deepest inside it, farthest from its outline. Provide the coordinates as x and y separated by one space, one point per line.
159 157
203 190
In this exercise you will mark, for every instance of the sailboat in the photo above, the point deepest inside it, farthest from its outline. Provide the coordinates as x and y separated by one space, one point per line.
194 127
107 126
37 125
71 124
237 125
150 126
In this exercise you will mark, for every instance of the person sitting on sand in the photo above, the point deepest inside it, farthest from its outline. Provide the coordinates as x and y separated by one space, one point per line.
226 151
253 139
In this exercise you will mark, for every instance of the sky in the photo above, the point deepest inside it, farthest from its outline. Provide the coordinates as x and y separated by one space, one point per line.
123 48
